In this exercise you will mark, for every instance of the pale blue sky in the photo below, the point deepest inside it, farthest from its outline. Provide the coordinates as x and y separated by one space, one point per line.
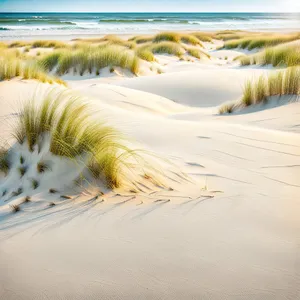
150 5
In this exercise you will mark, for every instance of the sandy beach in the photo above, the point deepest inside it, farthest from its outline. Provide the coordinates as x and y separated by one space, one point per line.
221 222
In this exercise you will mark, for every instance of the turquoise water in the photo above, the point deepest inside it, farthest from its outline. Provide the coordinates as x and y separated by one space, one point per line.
27 24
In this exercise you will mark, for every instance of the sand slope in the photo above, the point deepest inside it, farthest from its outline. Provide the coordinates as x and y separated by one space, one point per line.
204 87
230 230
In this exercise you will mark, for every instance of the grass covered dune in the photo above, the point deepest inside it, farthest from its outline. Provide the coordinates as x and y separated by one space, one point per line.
61 142
14 64
83 56
251 40
91 55
286 55
259 91
47 60
89 59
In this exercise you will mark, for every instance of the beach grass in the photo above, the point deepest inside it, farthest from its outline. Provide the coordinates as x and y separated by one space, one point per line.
141 39
5 163
49 61
90 59
190 39
35 184
291 82
42 167
227 108
74 133
260 41
13 64
17 192
247 94
171 48
245 60
26 49
22 170
3 45
27 199
194 38
110 39
260 90
145 53
48 44
15 208
286 82
203 36
275 83
195 52
18 44
167 37
227 35
287 55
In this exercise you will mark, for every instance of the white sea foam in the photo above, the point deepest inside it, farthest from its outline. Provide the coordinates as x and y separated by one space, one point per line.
79 24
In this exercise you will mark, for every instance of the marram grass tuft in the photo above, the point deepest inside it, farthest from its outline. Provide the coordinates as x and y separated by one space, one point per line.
286 82
66 121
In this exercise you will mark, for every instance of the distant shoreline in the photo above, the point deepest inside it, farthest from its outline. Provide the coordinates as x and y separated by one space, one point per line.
66 26
70 37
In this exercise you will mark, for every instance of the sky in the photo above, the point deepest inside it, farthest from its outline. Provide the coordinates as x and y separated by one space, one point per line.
149 5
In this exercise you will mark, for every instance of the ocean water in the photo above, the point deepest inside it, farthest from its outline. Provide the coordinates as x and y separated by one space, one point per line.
25 25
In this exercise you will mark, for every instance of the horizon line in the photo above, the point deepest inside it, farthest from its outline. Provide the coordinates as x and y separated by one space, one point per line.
150 12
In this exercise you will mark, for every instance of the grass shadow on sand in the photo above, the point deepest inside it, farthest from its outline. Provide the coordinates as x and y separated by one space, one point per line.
62 215
154 206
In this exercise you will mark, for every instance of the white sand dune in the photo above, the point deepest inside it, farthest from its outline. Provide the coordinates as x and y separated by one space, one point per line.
200 88
229 230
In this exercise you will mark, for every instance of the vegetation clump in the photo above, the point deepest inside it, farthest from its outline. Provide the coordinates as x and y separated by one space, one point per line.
260 41
13 64
141 39
5 163
203 36
18 44
281 83
27 199
35 184
48 44
75 134
167 37
227 108
195 52
18 192
42 167
90 59
145 53
190 39
108 40
15 208
166 48
287 55
22 170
